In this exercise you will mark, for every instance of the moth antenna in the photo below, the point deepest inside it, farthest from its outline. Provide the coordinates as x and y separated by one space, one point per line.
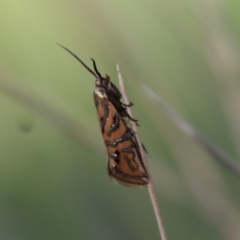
75 56
95 68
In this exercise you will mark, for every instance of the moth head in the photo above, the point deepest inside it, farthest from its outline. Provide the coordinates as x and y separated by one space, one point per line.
101 81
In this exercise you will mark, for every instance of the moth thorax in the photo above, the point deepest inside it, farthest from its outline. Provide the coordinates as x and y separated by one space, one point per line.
100 92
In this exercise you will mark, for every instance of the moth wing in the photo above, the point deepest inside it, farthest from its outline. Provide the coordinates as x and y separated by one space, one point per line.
126 170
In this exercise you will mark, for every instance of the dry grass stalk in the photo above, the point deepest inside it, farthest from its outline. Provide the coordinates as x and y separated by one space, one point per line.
151 189
218 154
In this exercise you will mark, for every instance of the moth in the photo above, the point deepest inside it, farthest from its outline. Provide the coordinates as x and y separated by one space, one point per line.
125 162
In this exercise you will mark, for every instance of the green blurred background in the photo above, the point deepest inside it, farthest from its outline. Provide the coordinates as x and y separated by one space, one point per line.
53 178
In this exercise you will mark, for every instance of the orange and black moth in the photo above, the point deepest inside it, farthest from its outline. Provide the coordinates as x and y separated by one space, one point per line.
125 162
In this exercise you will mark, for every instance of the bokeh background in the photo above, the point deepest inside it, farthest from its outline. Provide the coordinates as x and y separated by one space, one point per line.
53 178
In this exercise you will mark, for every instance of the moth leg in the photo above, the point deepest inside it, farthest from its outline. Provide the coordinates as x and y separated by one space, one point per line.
127 105
122 110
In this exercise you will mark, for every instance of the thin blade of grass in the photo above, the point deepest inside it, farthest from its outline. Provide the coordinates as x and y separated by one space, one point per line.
215 151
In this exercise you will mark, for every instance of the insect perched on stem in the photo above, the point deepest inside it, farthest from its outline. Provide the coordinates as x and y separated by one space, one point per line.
124 159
